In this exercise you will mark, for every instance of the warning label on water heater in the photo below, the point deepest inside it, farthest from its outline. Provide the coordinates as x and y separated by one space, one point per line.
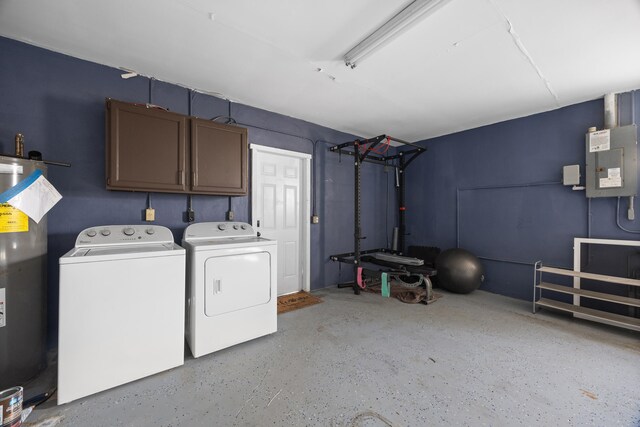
3 308
12 220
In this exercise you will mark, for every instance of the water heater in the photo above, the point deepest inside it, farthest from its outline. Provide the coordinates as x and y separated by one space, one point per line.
23 253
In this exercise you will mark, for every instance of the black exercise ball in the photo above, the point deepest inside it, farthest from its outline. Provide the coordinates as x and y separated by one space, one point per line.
459 271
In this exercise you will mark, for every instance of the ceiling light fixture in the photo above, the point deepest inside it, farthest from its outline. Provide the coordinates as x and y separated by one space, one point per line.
402 21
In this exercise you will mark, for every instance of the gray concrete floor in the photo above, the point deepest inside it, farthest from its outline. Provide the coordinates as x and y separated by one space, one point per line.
478 359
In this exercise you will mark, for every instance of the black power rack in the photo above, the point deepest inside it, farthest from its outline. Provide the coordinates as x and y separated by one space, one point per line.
363 151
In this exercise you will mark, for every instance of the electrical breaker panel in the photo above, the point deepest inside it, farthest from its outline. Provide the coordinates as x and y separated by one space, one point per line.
611 165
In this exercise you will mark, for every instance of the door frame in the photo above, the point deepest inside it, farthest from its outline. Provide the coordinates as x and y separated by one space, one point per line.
305 202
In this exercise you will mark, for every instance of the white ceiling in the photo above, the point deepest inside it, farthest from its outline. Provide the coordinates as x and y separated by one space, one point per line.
471 63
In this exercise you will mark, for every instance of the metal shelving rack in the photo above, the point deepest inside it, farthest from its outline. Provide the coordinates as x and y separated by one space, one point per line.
576 308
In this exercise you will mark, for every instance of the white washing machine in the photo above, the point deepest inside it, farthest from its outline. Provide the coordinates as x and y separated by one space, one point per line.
122 291
231 285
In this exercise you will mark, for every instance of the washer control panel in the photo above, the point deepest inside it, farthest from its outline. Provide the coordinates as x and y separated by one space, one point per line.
212 230
106 235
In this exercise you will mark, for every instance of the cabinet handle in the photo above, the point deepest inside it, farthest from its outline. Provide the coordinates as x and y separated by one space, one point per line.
181 177
194 181
218 286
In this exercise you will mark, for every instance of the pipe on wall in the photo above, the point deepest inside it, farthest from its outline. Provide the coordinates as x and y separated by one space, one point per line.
610 111
612 120
508 261
620 226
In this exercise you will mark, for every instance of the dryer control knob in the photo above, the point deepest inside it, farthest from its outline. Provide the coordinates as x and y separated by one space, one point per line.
235 226
129 231
105 232
150 231
222 227
91 233
244 227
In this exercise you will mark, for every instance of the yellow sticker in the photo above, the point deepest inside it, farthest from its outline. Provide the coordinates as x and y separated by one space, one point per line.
12 220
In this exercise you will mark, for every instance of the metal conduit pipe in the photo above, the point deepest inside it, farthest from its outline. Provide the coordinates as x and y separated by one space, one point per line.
611 120
589 217
508 261
631 214
620 226
610 111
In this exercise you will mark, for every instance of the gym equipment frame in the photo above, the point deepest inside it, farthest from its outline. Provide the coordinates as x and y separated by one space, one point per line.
365 151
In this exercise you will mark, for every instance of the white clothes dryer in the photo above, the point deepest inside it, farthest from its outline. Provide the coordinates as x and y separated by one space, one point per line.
231 285
122 291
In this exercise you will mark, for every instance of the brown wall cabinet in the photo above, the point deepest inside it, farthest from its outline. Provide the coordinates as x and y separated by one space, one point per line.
150 149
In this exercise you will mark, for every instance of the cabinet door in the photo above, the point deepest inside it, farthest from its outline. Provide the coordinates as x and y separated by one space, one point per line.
218 158
146 148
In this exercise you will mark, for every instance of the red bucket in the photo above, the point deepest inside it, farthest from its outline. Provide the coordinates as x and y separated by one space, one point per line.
11 407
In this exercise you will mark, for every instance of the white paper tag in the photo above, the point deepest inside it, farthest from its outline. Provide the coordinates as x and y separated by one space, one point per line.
37 199
613 172
610 182
600 140
3 322
5 168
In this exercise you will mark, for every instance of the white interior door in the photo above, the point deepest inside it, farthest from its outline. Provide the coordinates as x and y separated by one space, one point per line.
280 211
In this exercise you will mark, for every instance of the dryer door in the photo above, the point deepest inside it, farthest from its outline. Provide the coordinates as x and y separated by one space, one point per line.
236 282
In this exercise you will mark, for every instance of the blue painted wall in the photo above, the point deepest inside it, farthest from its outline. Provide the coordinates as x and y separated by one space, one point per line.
524 221
57 102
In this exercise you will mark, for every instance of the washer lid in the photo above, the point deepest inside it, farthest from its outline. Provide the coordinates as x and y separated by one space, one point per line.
125 249
122 252
120 235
